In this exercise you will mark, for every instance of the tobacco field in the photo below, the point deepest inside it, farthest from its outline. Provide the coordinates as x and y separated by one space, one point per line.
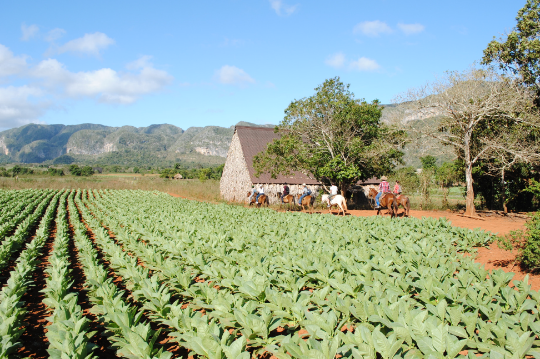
139 274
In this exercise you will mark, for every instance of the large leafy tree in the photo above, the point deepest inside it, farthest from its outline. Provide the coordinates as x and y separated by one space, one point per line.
519 53
334 138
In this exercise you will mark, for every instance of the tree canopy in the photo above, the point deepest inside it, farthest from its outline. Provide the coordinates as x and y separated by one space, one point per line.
334 138
519 53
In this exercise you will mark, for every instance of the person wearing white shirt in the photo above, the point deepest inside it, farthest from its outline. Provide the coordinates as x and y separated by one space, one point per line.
333 192
261 191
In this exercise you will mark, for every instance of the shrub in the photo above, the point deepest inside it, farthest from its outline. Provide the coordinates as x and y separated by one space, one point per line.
87 171
75 170
55 172
530 253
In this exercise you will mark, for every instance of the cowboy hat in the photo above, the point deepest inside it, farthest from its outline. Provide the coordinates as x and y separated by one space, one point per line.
383 178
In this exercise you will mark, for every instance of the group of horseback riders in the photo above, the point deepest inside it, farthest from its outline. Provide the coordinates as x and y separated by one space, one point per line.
380 197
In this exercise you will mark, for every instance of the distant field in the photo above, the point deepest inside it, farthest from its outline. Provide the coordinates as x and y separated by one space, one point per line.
189 188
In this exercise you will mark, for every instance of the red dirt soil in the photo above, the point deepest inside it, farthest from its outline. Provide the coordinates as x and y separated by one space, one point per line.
492 257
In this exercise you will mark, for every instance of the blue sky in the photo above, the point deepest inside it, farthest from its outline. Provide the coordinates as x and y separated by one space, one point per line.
199 63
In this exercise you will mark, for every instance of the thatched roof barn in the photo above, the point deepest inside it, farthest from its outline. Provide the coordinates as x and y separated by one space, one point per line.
239 175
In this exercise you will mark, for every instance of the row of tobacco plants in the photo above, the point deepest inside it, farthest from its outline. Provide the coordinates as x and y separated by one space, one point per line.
227 282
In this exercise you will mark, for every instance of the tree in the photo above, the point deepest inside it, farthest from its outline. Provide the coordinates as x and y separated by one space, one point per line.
429 162
16 170
332 137
87 171
519 54
477 109
75 170
446 176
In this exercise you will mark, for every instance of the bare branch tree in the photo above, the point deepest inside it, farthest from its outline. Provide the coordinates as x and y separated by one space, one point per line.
476 112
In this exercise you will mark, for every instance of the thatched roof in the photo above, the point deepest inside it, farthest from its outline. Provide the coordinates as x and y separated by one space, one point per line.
254 140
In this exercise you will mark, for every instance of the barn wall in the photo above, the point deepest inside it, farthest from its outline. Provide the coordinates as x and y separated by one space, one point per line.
272 189
235 181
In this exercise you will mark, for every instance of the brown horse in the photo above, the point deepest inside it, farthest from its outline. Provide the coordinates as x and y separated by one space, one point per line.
306 202
404 202
263 199
288 199
387 200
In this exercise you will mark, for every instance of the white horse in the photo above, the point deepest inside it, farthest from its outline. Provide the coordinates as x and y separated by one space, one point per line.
338 200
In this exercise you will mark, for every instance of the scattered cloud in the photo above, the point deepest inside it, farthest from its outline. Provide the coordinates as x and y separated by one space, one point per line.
339 61
281 8
336 60
28 32
411 29
364 64
89 44
372 28
232 75
54 34
105 85
10 64
17 107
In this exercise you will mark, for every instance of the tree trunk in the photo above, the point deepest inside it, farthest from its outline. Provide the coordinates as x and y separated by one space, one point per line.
343 189
503 186
469 201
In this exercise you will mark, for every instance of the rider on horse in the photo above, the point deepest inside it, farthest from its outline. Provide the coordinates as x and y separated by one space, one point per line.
333 192
261 192
397 189
384 187
305 192
253 193
286 192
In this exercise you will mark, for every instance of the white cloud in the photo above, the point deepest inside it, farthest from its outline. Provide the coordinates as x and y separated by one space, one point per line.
9 64
364 64
336 60
106 85
17 108
411 29
28 32
281 8
90 44
339 60
55 34
232 75
372 28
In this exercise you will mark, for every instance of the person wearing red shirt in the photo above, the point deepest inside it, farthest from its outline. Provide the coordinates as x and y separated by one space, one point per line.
397 189
384 187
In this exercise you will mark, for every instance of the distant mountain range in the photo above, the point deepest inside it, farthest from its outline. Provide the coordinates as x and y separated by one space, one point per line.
126 145
156 145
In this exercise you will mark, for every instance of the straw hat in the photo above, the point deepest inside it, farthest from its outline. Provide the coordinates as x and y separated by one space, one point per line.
383 178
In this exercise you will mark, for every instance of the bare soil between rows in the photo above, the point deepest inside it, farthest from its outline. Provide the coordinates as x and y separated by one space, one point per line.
491 258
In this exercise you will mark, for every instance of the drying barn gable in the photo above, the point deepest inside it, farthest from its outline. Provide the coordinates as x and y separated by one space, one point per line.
239 174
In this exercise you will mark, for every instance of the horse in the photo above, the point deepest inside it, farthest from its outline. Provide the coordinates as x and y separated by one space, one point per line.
263 199
404 202
289 199
338 201
306 201
387 200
